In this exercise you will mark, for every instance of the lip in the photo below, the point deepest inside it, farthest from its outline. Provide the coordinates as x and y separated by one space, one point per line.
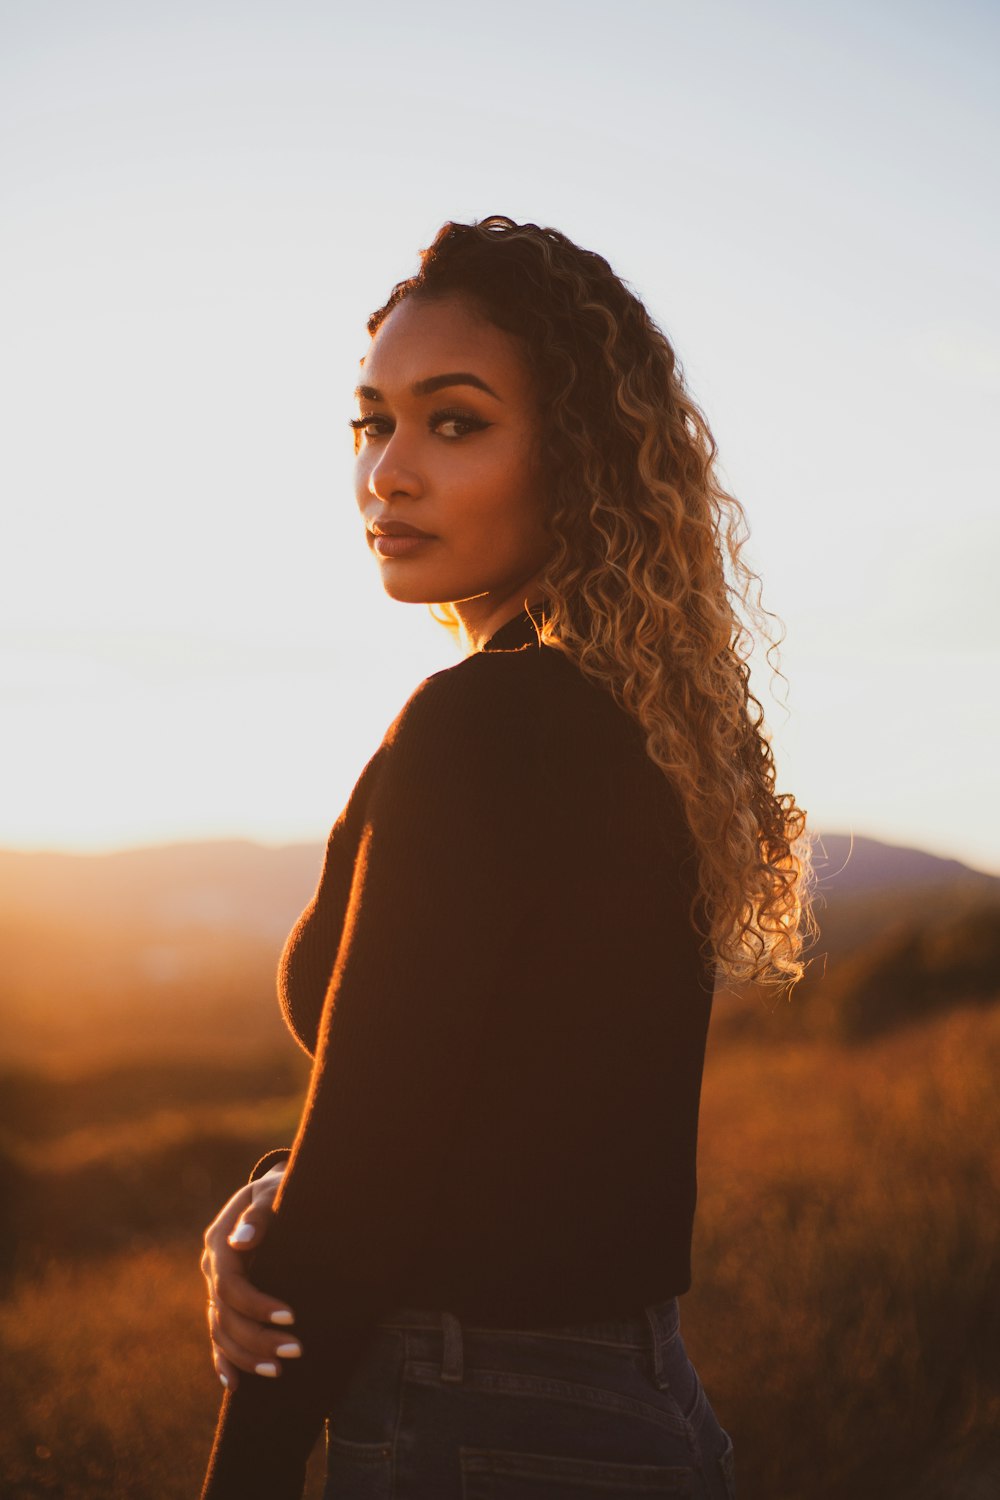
397 546
396 528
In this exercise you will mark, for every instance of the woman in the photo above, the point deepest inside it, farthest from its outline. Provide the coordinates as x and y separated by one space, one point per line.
468 1264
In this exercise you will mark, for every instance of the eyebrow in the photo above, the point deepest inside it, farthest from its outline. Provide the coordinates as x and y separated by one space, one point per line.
431 384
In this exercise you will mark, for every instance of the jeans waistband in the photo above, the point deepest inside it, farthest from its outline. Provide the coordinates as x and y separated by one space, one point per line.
651 1330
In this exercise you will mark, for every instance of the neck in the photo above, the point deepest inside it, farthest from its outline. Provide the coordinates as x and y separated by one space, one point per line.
480 618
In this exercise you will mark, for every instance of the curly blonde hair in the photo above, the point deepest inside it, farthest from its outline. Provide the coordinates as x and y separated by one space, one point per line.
636 589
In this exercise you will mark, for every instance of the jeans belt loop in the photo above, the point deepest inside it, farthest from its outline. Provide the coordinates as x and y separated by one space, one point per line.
659 1377
451 1358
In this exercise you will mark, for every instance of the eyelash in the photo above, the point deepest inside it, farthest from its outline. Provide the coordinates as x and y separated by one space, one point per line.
476 424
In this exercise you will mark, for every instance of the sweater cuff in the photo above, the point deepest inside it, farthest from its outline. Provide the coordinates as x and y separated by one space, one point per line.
269 1160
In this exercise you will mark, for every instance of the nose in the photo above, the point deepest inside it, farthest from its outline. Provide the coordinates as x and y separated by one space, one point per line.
390 476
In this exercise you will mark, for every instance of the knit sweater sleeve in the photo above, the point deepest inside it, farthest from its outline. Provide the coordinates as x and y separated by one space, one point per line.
446 827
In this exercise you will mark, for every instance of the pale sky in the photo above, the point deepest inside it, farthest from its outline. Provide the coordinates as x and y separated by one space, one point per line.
202 203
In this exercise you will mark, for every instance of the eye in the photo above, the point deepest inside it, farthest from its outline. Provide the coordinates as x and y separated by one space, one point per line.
360 425
463 419
446 416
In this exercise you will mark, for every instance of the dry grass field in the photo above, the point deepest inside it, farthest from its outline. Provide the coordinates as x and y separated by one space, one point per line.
845 1313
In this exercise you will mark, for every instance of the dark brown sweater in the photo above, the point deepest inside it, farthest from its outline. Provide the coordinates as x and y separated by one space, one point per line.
502 992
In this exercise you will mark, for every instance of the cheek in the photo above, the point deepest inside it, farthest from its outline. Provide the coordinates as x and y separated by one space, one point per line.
508 522
509 480
500 493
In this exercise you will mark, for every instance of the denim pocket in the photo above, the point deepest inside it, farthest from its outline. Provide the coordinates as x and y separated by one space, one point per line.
495 1474
361 1470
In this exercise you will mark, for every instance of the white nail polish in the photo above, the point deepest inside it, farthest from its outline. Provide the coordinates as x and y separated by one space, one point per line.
282 1316
266 1369
242 1234
289 1351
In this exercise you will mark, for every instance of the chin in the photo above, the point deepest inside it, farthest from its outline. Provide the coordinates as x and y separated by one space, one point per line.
405 582
406 586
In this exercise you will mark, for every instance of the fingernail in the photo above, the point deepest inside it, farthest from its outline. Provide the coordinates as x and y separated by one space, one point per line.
289 1351
242 1234
266 1369
225 1382
282 1316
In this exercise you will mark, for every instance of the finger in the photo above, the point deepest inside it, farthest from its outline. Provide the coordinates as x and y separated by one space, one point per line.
260 1342
251 1226
224 1368
243 1359
229 1213
231 1285
226 1371
267 1186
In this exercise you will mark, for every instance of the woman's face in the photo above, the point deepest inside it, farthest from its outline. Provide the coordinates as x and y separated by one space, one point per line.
448 436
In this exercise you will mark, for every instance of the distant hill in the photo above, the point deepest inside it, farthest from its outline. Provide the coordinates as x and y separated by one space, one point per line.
227 884
865 886
902 933
174 948
236 885
171 948
860 866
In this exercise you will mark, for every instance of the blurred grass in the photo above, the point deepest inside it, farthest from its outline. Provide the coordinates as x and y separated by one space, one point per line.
108 1387
39 1106
845 1312
163 1129
844 1317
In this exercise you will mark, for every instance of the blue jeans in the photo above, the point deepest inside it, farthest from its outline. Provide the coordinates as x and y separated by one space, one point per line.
441 1410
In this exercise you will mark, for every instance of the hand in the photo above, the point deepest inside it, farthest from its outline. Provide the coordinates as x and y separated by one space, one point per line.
241 1319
